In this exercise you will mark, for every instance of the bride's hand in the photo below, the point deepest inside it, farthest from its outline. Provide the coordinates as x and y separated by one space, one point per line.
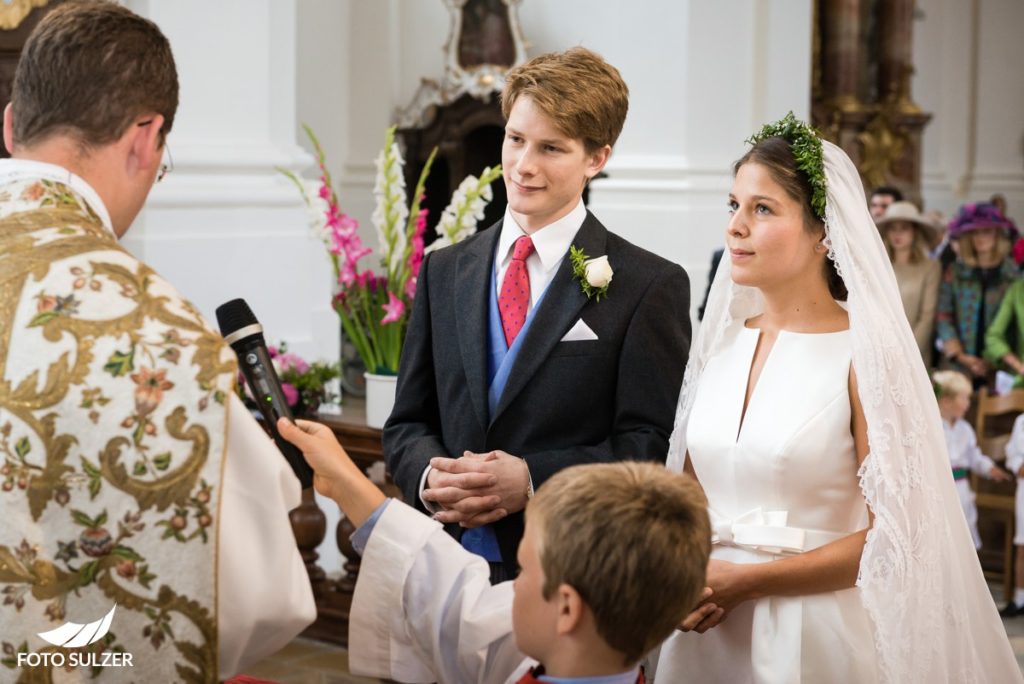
705 616
730 583
728 586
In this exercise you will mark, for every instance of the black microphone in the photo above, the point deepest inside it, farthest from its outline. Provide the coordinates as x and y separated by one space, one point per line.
243 332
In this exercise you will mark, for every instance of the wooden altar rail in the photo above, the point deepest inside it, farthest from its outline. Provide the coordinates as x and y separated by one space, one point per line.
334 596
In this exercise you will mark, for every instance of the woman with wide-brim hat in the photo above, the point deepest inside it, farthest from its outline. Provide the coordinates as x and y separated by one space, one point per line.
974 285
908 236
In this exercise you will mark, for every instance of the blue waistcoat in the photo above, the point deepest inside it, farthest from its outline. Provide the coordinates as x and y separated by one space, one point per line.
500 359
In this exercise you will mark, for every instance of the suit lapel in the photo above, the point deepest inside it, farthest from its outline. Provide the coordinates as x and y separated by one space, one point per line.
472 280
557 312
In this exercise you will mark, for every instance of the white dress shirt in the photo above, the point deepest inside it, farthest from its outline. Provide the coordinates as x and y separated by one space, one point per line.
551 243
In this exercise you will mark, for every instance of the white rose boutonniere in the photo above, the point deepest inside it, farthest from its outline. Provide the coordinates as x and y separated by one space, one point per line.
594 275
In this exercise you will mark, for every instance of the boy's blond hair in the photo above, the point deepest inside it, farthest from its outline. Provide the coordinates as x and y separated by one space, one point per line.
950 383
583 95
633 539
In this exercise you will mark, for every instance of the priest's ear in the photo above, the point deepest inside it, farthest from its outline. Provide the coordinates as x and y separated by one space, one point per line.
144 143
571 610
9 128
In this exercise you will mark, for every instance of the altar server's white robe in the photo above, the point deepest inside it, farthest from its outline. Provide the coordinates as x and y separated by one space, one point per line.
425 611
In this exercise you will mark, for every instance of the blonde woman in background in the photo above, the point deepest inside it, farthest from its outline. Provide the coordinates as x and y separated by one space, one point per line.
973 286
907 235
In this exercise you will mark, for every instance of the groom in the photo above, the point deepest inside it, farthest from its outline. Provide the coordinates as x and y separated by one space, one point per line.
514 366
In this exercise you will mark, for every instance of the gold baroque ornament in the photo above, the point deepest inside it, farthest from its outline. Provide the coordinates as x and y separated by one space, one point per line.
882 147
113 408
13 12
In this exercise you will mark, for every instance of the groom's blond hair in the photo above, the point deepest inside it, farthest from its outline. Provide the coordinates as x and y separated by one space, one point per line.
633 539
583 95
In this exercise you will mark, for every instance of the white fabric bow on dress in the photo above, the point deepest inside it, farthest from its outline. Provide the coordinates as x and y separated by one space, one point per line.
767 531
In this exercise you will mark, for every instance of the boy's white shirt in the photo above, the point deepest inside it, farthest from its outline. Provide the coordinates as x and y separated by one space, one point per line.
964 452
424 609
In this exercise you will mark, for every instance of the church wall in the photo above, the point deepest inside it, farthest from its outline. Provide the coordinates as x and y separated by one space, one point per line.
224 223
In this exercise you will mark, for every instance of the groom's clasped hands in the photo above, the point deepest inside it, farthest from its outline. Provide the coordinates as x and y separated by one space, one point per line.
477 489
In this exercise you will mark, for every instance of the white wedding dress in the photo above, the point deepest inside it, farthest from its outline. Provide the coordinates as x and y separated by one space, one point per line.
780 479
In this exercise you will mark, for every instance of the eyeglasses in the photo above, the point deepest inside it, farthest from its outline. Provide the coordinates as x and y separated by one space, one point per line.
168 164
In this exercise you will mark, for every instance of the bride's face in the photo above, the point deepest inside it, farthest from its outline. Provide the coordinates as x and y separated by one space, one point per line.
767 237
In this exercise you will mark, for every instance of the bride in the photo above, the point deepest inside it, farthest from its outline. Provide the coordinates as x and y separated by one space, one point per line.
840 553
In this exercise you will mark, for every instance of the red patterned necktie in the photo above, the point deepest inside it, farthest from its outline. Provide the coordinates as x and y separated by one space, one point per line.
514 300
531 676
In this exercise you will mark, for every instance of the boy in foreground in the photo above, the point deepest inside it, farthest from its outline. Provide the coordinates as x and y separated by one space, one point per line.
613 557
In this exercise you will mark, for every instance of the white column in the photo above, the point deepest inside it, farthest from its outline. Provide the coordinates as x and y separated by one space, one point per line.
224 223
966 55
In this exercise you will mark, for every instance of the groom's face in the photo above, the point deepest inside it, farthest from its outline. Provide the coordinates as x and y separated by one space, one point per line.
545 170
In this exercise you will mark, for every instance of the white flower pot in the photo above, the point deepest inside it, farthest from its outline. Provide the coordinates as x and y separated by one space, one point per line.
380 398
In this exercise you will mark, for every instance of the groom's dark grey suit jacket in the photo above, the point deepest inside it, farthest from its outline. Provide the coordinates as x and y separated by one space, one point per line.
565 402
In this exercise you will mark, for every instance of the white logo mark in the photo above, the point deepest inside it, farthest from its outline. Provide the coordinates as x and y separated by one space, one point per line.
73 635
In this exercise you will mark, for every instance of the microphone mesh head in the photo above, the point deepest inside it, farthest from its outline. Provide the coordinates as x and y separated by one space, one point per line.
234 315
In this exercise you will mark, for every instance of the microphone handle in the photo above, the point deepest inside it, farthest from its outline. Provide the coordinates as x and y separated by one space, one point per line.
258 369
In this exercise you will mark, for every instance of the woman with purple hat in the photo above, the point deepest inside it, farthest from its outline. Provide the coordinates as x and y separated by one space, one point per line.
974 285
907 236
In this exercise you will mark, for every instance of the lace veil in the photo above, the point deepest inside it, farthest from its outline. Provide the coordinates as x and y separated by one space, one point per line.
919 578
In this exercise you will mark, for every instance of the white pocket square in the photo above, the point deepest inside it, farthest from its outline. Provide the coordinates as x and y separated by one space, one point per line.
579 333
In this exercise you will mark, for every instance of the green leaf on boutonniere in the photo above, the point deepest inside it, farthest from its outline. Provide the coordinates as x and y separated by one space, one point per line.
579 260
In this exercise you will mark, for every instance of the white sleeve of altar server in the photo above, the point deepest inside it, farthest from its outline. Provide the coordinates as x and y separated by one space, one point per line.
264 598
1015 447
424 610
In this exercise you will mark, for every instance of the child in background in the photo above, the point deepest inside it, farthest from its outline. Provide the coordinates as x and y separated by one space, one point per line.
954 392
1015 464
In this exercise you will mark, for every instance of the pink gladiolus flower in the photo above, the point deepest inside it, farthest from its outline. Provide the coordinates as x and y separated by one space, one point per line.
357 254
325 192
416 255
394 309
367 280
347 274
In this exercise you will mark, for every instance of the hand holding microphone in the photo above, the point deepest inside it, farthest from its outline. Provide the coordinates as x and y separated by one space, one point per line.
337 477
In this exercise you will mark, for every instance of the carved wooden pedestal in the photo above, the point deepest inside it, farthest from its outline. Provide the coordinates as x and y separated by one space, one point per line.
334 597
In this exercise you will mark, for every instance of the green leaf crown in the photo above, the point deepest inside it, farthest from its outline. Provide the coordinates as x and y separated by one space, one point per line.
807 152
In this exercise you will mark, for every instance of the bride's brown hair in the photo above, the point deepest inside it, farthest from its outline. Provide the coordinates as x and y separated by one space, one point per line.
776 156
